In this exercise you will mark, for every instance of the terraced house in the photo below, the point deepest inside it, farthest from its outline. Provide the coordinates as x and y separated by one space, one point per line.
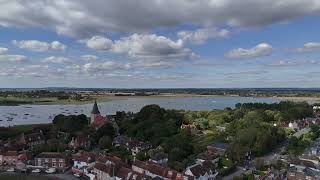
59 161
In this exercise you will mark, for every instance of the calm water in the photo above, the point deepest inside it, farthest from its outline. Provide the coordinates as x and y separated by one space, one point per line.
33 114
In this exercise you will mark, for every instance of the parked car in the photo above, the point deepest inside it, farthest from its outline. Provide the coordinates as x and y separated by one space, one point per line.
77 175
51 170
10 170
36 171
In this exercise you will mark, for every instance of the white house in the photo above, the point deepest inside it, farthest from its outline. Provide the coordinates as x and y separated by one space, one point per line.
83 162
202 171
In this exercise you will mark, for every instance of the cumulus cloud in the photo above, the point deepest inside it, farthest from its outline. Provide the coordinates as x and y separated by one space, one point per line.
57 60
13 58
259 50
56 45
200 36
144 47
150 47
309 47
84 18
99 43
39 46
88 57
3 50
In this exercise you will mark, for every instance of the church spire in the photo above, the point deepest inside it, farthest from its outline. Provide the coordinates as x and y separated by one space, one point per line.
95 109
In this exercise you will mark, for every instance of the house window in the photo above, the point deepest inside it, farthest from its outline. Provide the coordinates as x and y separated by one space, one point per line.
60 160
53 160
60 165
46 160
39 162
53 164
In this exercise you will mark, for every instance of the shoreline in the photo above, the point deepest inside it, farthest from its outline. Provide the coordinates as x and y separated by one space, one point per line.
107 98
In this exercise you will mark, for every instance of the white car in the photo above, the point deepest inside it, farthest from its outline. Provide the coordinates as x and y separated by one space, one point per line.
10 170
51 170
36 171
77 175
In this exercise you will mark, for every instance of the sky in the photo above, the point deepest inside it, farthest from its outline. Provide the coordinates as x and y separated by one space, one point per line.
160 43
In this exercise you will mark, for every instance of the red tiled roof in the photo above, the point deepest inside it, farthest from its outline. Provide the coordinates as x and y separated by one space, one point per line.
10 153
107 168
115 160
87 157
123 172
99 121
156 169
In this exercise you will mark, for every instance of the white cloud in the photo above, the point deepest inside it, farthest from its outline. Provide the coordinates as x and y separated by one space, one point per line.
143 47
39 46
99 43
32 45
200 36
89 57
309 47
56 45
150 47
284 63
13 58
35 71
85 18
104 68
259 50
3 50
57 60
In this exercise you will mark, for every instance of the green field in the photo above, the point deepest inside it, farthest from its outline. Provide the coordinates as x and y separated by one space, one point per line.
15 101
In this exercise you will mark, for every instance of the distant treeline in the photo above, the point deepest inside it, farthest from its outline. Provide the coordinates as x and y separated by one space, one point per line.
65 93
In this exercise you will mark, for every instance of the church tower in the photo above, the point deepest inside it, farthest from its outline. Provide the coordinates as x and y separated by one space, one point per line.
95 112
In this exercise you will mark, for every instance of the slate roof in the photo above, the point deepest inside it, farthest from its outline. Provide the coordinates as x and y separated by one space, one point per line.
95 109
51 155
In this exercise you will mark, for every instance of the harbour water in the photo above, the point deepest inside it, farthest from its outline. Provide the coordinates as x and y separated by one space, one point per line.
36 114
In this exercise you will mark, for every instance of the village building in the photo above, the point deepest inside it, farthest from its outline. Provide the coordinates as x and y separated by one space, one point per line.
80 142
60 161
96 119
131 144
160 158
107 167
293 125
217 148
83 162
157 171
32 139
202 171
8 158
207 156
298 173
192 128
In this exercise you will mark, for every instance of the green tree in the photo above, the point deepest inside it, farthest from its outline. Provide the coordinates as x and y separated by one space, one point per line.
105 142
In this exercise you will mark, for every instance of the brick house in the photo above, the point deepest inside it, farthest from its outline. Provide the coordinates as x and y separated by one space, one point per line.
112 168
60 161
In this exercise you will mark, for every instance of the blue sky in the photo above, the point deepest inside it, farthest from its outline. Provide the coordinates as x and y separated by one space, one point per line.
218 44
